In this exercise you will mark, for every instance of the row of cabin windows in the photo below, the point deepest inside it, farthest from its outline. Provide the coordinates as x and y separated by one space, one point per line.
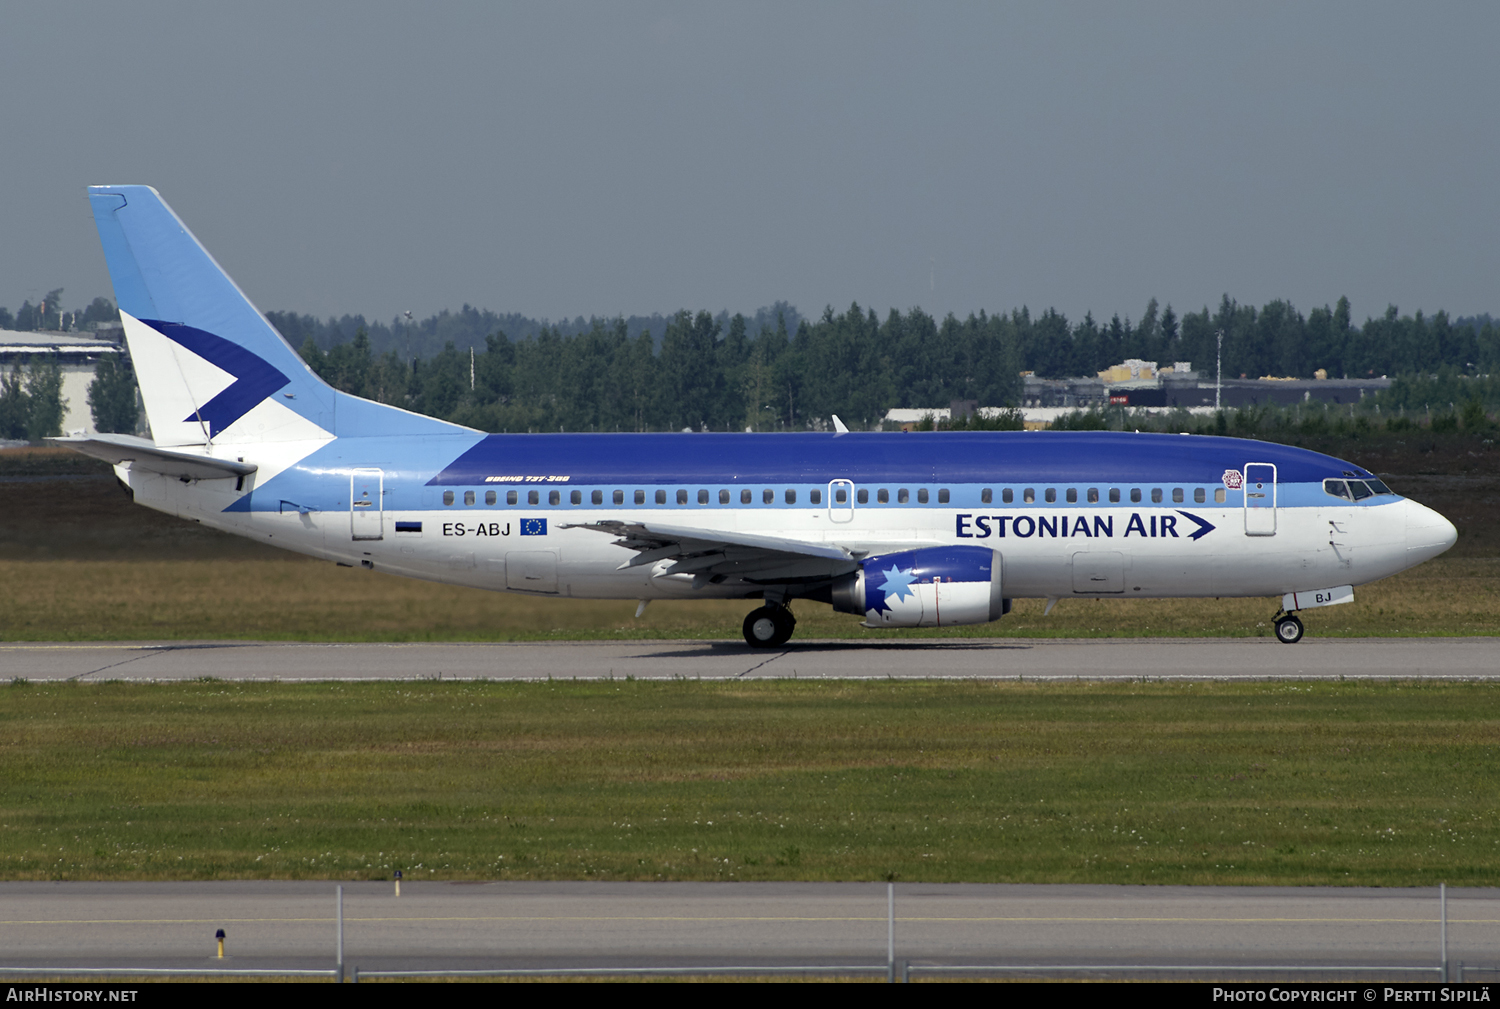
1028 495
747 496
840 496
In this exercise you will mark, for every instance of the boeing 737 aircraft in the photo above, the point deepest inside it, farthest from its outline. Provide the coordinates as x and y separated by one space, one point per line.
903 530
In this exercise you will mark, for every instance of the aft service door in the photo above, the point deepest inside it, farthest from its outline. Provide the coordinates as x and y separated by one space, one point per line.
366 507
1260 499
841 501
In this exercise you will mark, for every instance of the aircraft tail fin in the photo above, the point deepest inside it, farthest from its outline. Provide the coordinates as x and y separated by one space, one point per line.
211 369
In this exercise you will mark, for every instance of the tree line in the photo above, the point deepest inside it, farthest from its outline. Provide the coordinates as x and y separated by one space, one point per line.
718 373
776 370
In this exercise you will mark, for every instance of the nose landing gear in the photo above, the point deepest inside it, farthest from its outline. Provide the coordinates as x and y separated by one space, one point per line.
1288 628
769 627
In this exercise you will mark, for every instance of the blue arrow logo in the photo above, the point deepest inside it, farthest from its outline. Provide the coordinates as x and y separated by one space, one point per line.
254 377
1204 528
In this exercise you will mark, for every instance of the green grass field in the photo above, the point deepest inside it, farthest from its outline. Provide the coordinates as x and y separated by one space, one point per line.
1290 783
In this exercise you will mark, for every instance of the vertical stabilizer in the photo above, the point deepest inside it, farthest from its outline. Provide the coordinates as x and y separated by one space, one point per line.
210 367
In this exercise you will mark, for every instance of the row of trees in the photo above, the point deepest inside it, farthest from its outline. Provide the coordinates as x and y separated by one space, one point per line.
49 314
776 370
705 376
718 373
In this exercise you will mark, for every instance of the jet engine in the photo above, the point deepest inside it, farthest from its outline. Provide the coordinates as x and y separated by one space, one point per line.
931 587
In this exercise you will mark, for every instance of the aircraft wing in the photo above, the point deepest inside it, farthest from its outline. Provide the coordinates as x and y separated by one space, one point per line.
717 555
142 453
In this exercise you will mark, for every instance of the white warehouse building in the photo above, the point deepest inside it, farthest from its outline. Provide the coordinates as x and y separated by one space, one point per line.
77 354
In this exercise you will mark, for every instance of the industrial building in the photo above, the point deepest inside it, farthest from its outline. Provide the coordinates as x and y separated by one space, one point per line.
77 354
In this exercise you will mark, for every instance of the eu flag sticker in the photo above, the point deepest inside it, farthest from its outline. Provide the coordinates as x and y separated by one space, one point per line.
533 527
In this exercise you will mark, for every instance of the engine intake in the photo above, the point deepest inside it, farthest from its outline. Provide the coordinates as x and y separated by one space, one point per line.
931 587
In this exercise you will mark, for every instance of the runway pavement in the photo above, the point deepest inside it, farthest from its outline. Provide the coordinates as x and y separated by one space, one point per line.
470 926
1005 658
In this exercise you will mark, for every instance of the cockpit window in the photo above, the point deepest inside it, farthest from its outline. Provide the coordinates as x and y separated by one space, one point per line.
1337 488
1379 487
1360 489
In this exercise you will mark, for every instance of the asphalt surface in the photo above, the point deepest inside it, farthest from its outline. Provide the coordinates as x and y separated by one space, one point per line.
498 925
1039 658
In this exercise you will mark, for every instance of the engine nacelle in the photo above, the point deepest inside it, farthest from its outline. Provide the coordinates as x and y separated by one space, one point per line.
931 587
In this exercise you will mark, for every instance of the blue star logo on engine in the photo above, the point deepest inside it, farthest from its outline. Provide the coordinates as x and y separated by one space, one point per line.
897 583
533 527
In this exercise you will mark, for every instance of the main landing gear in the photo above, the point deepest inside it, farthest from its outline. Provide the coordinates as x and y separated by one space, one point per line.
769 627
1288 628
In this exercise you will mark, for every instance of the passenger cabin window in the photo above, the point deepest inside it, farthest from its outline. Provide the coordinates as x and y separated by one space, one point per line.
661 497
922 496
1219 495
1114 495
863 496
576 497
447 497
791 496
1135 495
903 496
511 497
1093 495
723 497
883 496
816 497
1028 496
682 497
1072 495
1199 496
702 496
943 495
1156 495
986 496
555 497
1177 497
468 497
1051 495
597 497
489 497
746 497
533 497
841 495
1007 495
640 497
619 497
768 496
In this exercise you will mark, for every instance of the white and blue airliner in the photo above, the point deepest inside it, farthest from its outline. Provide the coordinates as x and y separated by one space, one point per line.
903 530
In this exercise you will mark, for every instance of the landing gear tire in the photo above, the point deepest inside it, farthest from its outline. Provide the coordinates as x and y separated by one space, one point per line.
1289 630
769 627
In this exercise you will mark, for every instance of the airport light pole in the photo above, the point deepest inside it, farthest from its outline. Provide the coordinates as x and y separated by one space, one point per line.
1218 367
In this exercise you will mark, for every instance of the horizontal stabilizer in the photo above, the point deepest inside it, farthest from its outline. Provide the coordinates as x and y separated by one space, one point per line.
144 454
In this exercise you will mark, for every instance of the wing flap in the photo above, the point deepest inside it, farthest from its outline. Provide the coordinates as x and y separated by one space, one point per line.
717 554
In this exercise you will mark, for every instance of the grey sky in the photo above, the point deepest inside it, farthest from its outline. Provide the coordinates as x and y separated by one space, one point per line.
564 159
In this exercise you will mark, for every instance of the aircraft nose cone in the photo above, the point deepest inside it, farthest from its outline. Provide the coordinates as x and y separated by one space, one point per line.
1427 533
